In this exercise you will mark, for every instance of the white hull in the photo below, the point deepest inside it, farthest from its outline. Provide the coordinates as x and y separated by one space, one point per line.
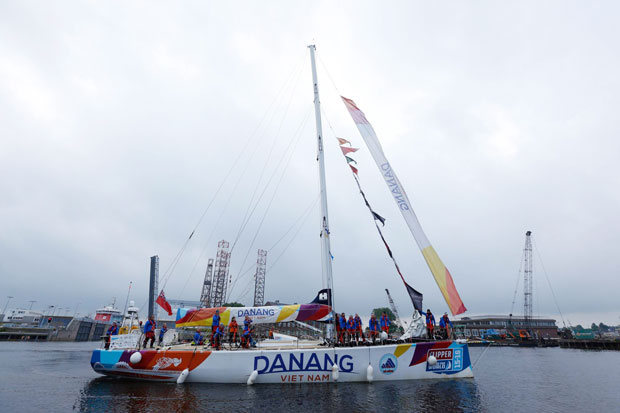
387 362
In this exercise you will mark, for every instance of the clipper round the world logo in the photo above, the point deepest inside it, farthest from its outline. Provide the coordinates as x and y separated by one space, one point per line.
388 364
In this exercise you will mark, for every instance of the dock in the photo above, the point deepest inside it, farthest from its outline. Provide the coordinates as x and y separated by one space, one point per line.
591 344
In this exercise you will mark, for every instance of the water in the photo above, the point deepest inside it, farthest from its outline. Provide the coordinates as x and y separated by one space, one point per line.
58 377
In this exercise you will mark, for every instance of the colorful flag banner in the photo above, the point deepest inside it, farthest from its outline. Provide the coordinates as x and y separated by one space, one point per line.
349 160
343 141
438 269
346 150
259 315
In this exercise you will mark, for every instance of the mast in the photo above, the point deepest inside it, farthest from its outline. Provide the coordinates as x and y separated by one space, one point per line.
326 263
527 282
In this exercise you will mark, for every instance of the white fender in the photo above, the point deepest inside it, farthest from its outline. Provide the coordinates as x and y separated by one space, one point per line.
252 377
369 375
183 376
432 360
335 372
135 358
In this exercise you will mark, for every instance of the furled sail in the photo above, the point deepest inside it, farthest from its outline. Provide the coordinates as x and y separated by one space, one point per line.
439 270
259 315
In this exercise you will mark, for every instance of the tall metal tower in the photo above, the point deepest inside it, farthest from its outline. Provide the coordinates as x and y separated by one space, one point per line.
205 297
527 281
220 276
393 308
259 278
153 287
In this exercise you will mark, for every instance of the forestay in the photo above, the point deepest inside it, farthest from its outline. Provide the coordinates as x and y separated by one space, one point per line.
439 270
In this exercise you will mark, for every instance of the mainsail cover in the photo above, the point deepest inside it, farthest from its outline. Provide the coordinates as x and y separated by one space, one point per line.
259 315
439 270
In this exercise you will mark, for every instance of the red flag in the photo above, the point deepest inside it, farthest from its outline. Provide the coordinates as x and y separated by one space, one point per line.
343 141
354 169
163 303
347 150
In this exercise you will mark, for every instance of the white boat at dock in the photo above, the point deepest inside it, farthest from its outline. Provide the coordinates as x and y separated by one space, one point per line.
285 359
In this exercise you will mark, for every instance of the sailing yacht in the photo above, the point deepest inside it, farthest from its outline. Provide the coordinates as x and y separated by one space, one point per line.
286 359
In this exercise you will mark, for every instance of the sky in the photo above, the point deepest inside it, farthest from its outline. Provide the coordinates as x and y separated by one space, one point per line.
122 124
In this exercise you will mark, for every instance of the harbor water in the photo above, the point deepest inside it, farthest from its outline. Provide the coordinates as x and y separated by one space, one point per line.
58 377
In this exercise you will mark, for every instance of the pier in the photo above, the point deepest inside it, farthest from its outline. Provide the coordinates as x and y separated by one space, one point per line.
591 344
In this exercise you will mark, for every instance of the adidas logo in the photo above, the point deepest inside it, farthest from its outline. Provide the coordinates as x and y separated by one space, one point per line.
389 364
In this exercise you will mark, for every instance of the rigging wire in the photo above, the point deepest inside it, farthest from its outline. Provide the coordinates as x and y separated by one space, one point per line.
294 142
247 218
313 203
514 297
289 80
549 282
327 72
173 264
303 218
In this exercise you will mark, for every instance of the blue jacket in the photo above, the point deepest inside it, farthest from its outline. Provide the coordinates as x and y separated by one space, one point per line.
149 326
216 320
385 321
113 330
374 324
342 322
442 322
429 320
358 322
162 332
197 337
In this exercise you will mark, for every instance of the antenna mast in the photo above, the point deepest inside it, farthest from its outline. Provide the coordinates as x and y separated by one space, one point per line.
259 278
393 308
205 297
220 277
527 281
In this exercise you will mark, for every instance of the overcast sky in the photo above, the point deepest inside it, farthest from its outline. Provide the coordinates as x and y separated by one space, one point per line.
119 122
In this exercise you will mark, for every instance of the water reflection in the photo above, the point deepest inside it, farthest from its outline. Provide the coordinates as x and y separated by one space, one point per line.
106 394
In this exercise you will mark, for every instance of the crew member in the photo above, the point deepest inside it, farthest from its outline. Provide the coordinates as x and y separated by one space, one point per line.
247 322
246 337
149 331
342 323
217 337
112 331
351 328
385 323
374 327
198 339
445 325
215 324
161 334
430 323
358 327
233 329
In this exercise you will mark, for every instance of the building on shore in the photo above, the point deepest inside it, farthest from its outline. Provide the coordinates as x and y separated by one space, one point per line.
478 326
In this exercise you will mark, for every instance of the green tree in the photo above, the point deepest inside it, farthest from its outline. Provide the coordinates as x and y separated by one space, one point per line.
579 327
594 327
379 311
234 304
603 327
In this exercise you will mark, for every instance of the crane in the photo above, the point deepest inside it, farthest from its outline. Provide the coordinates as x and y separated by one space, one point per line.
393 308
